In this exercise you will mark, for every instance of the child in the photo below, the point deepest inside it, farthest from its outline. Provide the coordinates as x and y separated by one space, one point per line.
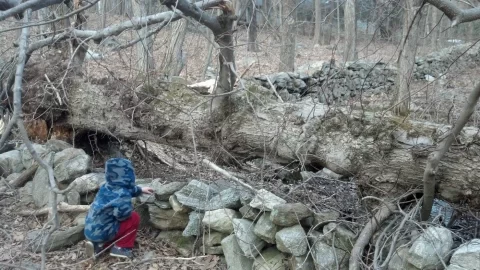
111 217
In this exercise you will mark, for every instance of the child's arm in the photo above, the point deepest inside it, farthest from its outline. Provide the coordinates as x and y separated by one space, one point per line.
138 190
123 209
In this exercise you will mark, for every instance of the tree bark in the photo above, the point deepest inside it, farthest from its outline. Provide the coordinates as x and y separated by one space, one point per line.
252 29
145 59
175 56
435 157
287 49
318 22
406 61
350 53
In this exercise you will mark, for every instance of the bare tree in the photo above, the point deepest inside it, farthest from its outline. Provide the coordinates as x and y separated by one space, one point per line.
175 56
318 21
287 49
252 28
142 8
350 53
406 60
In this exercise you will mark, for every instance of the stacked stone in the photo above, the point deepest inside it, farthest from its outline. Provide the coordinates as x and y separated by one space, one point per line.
332 83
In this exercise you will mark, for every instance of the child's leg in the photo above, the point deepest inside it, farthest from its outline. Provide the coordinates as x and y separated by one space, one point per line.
128 231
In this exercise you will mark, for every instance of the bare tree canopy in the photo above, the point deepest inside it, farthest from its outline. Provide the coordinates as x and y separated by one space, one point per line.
324 134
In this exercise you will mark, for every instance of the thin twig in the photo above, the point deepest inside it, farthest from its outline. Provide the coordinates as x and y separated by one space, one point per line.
227 174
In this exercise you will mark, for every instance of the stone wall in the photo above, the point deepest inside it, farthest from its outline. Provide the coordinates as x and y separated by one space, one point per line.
252 230
333 82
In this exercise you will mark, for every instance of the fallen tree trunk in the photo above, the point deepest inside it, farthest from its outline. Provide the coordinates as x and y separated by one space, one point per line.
386 154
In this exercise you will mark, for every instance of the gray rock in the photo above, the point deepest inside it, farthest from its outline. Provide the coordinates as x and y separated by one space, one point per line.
25 197
164 191
41 185
177 206
72 197
265 200
281 80
71 163
163 205
54 145
213 238
300 84
266 229
11 162
194 226
233 254
289 214
182 244
80 219
327 257
270 258
167 219
146 198
467 256
228 198
340 236
220 220
399 260
58 240
301 262
284 94
423 252
250 212
89 182
246 197
27 158
292 240
250 244
325 216
196 195
213 250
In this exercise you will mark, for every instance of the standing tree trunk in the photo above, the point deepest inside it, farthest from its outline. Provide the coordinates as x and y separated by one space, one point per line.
435 28
145 46
339 26
318 21
175 57
287 49
406 61
350 53
104 13
252 29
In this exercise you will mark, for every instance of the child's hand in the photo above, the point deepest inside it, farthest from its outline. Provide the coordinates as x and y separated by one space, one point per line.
147 190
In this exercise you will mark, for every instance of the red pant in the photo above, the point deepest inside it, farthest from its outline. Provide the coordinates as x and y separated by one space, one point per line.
127 232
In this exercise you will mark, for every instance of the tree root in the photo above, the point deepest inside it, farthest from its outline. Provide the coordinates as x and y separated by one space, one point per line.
356 256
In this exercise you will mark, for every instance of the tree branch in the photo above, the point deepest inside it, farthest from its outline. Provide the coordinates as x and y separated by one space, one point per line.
32 4
116 29
435 157
455 13
193 11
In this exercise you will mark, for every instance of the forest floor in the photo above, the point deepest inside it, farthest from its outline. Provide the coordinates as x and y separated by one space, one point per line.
316 193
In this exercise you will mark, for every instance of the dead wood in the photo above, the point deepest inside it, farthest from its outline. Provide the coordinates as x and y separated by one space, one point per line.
366 234
62 207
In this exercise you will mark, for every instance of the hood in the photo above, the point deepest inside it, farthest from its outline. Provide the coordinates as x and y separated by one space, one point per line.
119 172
